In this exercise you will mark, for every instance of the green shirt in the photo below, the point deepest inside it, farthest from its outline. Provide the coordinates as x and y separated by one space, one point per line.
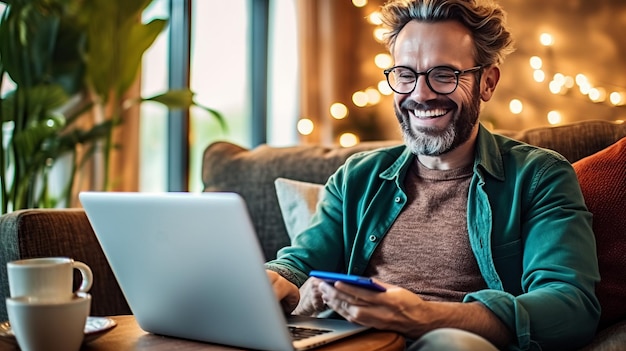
528 226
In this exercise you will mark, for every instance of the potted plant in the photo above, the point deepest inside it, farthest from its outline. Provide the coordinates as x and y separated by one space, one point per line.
72 63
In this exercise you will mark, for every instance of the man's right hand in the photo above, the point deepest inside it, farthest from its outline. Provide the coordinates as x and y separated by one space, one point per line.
286 292
311 302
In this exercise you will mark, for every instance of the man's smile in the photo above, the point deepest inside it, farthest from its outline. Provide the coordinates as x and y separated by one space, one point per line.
426 114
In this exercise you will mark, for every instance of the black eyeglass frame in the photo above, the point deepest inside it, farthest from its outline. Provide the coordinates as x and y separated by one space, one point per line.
426 74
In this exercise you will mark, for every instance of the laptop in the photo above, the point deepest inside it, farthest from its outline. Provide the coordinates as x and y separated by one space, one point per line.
190 266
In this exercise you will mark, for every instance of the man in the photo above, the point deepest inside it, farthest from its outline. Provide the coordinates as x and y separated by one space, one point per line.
482 242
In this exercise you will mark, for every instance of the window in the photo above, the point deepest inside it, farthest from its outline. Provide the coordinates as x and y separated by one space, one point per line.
220 78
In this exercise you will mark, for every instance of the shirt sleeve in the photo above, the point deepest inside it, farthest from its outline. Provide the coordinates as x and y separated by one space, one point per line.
557 307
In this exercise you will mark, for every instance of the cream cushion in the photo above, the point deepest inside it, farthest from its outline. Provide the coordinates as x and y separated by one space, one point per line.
297 201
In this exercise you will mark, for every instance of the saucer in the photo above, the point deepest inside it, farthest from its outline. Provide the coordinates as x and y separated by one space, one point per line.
95 327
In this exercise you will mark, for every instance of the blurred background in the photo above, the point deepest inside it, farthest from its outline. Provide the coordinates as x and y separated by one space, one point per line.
287 72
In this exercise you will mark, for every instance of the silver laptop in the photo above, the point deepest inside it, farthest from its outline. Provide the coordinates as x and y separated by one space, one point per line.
190 266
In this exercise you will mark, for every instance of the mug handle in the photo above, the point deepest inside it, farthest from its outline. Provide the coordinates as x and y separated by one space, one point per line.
87 276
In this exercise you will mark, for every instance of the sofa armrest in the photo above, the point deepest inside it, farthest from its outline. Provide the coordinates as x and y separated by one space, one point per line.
59 232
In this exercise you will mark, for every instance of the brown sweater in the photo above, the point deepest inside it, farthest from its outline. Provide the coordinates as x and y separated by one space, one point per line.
427 249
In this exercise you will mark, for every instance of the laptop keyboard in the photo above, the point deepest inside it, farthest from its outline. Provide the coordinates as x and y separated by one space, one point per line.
299 333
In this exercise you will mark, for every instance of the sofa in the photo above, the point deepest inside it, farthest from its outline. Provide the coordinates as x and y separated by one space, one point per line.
253 173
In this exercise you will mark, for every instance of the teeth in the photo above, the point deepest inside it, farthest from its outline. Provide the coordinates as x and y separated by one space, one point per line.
429 113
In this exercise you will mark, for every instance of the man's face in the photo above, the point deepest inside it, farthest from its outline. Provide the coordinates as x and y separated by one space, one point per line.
433 124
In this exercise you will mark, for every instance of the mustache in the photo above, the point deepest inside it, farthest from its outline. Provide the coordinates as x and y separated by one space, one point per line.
446 104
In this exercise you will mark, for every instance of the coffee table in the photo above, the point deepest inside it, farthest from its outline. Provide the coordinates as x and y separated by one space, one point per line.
128 336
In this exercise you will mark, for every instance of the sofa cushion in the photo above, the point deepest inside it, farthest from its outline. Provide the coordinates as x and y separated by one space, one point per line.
297 201
573 140
602 178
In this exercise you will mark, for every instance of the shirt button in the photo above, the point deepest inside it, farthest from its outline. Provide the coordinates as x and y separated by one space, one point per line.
397 199
373 238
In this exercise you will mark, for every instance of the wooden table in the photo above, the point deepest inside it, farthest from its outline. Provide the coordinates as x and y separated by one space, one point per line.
128 336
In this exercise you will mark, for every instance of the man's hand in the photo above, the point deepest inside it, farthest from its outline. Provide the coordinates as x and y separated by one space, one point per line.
311 302
404 312
286 292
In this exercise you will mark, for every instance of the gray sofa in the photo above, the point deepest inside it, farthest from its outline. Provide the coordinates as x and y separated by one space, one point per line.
251 173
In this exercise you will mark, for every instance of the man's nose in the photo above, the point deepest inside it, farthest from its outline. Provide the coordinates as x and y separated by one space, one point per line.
422 91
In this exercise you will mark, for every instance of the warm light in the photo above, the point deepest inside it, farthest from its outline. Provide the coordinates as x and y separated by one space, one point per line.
597 94
584 88
555 87
379 34
569 82
535 62
338 110
384 88
581 79
374 18
516 106
373 96
359 3
305 126
383 61
616 98
554 117
360 98
348 139
546 39
539 76
559 78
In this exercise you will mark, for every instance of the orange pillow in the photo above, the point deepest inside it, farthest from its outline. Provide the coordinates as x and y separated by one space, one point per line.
602 178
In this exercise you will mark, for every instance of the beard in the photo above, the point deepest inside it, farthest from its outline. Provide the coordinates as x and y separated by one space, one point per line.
431 141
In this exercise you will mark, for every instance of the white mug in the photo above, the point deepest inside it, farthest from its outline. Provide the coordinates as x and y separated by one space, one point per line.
48 278
40 325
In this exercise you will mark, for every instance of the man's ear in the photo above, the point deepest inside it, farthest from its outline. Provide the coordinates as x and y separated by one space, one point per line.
489 80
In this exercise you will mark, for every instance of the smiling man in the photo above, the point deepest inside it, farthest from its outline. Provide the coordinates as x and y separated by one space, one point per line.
482 242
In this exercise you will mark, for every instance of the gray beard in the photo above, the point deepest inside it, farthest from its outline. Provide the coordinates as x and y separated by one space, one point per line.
432 142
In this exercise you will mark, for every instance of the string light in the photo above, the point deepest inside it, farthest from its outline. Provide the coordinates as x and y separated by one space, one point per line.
359 3
338 110
383 61
616 98
554 117
305 126
374 18
535 62
360 98
379 34
384 88
348 139
373 96
516 106
597 94
546 39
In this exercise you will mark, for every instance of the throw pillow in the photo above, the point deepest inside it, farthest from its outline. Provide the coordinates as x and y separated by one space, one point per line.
297 201
602 178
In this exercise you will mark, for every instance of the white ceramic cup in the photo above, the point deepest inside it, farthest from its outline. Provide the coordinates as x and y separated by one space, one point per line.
48 278
40 325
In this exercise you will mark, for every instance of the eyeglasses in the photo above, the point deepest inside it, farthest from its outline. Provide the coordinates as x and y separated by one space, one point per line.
440 79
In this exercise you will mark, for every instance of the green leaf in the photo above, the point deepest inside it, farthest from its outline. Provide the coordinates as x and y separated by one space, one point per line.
34 104
182 99
117 42
179 98
132 48
27 38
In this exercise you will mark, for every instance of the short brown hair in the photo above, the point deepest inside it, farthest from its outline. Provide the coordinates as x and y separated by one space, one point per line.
485 19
